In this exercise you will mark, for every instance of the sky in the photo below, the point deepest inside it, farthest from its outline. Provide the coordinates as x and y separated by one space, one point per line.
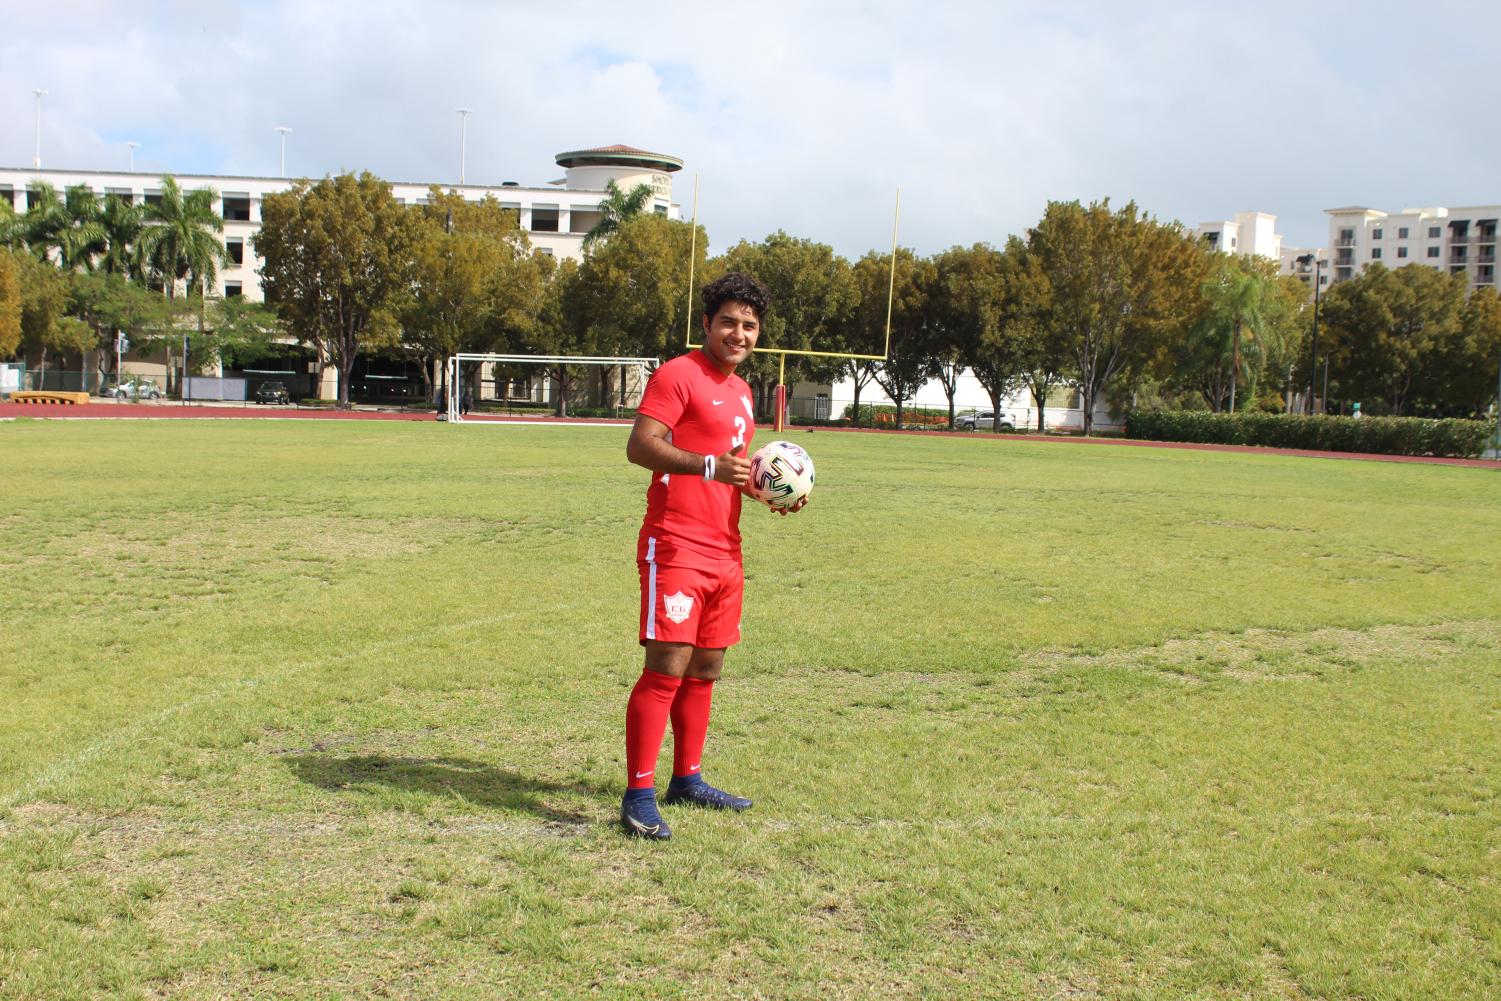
805 117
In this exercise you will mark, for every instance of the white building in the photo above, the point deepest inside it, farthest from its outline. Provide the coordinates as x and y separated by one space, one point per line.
1454 240
555 216
1249 234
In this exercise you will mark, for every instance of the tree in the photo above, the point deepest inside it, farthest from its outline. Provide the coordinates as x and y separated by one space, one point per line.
1042 353
45 324
617 207
66 229
910 360
121 223
981 320
1389 332
811 291
10 304
631 296
108 304
1471 371
338 265
180 238
562 329
1122 286
476 284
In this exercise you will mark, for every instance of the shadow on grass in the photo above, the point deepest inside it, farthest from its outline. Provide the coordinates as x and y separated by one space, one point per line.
472 781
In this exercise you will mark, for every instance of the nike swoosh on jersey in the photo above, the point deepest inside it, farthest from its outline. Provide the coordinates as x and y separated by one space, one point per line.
716 402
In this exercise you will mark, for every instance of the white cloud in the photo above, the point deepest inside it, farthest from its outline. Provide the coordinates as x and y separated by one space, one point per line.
795 118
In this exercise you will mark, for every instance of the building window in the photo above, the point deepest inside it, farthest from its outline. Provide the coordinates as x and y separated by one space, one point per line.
1323 279
1376 233
1432 251
1434 232
544 220
661 210
236 250
1402 252
236 208
233 290
122 195
1375 253
1401 232
1233 241
1347 234
153 198
545 251
8 195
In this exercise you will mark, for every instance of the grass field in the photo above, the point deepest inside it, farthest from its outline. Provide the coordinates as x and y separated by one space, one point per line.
306 710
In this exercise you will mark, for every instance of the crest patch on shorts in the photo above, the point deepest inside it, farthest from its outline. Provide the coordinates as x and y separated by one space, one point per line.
679 606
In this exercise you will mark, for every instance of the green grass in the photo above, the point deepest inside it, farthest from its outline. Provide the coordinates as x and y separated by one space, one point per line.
328 710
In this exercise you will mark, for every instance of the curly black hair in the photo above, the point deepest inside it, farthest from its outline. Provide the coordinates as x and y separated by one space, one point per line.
737 286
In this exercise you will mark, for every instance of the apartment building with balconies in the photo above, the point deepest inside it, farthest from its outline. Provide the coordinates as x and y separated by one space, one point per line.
1457 241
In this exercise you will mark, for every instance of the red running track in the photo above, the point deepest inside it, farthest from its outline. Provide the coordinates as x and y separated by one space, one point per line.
169 411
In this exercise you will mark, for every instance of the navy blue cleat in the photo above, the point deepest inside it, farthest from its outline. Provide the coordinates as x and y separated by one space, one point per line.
697 792
639 817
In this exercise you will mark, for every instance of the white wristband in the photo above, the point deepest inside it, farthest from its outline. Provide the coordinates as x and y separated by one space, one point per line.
708 467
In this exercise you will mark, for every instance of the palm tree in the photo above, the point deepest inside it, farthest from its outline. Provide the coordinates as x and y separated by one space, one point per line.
12 227
180 238
65 229
122 223
617 207
1235 304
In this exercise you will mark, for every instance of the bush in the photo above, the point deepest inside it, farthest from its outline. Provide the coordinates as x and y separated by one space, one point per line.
1377 435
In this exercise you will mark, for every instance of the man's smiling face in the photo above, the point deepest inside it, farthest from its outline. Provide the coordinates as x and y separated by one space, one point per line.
730 335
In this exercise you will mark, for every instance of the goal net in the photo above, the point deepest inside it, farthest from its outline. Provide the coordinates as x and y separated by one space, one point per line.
466 365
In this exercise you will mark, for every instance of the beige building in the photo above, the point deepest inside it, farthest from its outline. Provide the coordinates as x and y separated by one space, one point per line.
1458 241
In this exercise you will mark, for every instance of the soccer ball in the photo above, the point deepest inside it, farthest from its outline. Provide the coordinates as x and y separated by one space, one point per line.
781 474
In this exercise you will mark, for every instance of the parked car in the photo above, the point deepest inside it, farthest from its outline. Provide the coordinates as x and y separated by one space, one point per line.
985 421
132 389
272 392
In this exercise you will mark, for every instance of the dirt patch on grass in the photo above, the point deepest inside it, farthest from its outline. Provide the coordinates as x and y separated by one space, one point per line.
1257 655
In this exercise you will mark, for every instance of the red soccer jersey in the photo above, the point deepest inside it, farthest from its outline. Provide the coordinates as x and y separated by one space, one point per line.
690 519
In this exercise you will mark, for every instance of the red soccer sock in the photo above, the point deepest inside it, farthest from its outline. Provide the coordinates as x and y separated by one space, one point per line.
645 723
690 725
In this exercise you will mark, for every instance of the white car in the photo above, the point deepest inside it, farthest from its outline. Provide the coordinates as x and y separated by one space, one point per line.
984 420
136 389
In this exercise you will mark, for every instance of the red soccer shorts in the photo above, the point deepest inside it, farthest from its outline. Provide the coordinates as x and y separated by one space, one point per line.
697 605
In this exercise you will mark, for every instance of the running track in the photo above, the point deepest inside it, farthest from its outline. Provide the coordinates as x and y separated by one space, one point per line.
171 411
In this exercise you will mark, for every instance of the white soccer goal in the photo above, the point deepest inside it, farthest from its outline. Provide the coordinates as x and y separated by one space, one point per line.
456 366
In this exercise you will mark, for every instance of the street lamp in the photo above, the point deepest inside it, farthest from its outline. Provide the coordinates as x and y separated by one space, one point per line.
1313 363
132 144
285 131
36 160
463 114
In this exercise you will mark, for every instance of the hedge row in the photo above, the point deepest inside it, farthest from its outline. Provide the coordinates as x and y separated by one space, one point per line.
1377 435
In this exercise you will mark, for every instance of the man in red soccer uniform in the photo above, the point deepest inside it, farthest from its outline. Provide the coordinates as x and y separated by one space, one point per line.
693 429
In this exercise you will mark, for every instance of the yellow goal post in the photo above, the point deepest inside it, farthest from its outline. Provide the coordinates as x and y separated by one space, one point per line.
781 398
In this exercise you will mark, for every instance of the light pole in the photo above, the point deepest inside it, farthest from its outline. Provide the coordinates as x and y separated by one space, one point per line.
463 114
36 160
132 144
285 131
1313 363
